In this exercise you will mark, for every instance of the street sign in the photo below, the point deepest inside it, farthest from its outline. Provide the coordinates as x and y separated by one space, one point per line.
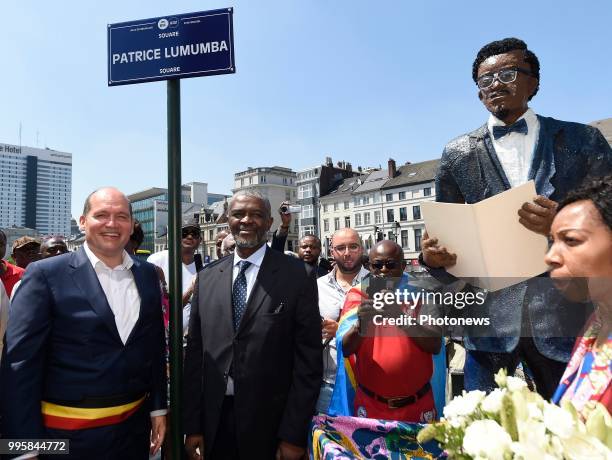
180 46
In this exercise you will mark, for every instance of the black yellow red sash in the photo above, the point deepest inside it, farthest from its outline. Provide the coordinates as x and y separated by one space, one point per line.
78 418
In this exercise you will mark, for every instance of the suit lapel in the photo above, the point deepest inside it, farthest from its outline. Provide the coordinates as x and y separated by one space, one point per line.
266 279
223 289
138 275
86 279
542 168
490 151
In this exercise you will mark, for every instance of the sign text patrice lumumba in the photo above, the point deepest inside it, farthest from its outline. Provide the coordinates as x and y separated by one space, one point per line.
169 52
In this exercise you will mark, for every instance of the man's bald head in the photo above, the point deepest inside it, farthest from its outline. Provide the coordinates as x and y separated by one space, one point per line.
87 205
345 233
347 250
387 259
387 248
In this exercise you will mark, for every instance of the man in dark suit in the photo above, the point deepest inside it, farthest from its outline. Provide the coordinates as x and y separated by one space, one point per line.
84 354
253 361
515 146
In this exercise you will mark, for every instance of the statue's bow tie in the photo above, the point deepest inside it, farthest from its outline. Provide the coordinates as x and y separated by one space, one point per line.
518 127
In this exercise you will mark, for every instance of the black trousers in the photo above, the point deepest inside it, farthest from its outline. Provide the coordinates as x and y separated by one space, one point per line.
225 445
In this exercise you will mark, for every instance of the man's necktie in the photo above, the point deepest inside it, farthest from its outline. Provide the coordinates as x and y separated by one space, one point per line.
518 127
239 293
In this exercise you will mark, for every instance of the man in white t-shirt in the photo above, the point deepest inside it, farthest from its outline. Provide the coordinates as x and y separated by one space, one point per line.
190 241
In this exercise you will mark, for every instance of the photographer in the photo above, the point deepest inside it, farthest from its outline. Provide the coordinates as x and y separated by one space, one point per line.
394 364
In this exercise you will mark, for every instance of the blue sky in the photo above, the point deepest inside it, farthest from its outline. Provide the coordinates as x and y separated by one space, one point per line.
355 80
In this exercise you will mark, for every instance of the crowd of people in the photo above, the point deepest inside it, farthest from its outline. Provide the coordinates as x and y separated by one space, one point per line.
272 339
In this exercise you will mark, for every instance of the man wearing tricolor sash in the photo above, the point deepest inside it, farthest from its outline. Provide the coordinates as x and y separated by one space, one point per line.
84 354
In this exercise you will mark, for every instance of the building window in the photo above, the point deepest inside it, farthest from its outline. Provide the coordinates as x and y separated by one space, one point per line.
376 198
336 206
357 219
346 205
366 218
404 239
366 199
377 217
402 195
417 239
347 222
242 182
356 201
304 191
211 235
326 225
416 212
262 179
324 208
336 223
390 215
250 180
389 197
306 212
403 214
427 191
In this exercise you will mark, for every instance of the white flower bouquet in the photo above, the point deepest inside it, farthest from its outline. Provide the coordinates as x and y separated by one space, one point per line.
514 423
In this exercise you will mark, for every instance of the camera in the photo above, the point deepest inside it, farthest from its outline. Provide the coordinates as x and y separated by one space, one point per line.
291 209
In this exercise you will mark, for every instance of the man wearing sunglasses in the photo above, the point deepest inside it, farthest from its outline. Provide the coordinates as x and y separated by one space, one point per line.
190 241
514 146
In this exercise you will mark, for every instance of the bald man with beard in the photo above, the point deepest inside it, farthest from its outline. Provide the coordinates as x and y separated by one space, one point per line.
347 250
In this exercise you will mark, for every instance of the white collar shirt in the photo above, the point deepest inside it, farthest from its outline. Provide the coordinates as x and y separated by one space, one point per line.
250 273
515 150
120 289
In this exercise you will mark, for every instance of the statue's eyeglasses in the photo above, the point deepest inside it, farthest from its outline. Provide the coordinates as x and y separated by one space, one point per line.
505 76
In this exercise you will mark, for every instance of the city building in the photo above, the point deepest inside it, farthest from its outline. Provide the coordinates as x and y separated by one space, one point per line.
605 126
276 183
35 189
312 183
336 210
212 221
402 195
150 207
382 204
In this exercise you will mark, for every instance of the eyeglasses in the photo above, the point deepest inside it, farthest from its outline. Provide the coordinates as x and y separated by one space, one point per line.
190 231
390 264
351 247
505 76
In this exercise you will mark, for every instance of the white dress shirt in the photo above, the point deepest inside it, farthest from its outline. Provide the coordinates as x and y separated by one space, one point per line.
251 275
120 289
121 294
515 150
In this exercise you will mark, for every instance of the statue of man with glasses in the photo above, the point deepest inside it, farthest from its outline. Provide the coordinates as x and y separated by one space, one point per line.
514 146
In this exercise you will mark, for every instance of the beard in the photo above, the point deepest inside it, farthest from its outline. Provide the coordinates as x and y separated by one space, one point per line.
346 269
248 243
501 112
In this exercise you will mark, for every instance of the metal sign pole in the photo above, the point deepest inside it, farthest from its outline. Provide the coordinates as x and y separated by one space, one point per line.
175 268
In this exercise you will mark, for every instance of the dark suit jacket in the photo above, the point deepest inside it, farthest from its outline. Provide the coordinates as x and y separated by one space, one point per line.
62 343
566 153
276 356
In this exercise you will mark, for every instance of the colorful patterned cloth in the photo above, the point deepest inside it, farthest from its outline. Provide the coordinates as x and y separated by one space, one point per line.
356 438
587 378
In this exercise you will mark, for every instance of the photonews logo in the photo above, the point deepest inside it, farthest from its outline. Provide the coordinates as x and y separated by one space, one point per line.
162 24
